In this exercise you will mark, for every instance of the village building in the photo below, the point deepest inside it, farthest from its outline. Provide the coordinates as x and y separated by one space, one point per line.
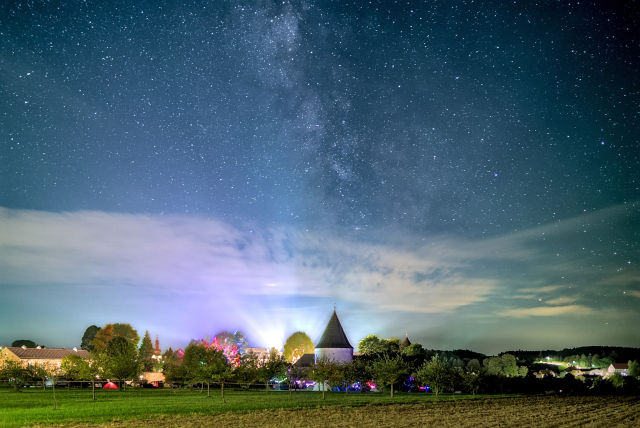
334 344
622 368
39 355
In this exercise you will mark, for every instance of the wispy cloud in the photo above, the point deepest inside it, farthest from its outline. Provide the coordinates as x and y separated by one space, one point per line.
547 311
634 293
202 257
563 300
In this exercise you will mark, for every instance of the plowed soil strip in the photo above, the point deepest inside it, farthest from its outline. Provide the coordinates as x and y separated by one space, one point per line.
534 412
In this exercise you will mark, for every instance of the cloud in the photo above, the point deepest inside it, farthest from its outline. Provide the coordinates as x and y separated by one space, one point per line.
547 289
561 301
633 293
547 311
204 258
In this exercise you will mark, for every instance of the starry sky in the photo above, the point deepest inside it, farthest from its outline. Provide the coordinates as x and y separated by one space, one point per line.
466 172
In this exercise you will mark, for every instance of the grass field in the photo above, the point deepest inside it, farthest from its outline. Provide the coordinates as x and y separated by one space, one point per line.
183 408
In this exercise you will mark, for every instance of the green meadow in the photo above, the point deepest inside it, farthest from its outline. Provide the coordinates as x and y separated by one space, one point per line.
35 406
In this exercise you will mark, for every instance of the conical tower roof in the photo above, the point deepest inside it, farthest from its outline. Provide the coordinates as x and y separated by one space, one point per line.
333 336
406 342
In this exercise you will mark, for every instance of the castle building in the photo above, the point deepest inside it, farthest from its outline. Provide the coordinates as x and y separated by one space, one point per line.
334 344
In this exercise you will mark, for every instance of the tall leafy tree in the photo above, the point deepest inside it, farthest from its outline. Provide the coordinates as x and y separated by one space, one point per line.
325 371
370 345
297 345
216 368
271 367
391 344
120 360
472 378
509 365
15 373
146 352
248 369
102 338
388 370
355 371
435 374
634 368
88 336
125 330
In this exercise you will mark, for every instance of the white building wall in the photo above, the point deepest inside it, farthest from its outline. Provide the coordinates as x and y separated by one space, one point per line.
340 355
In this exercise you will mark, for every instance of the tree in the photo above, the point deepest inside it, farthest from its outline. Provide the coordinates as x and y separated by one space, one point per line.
216 368
71 365
509 365
435 374
120 360
102 338
522 371
493 365
77 368
15 373
248 369
126 331
414 350
323 372
271 367
370 345
617 380
292 375
388 371
472 377
88 336
146 352
634 369
356 371
473 364
391 344
595 361
297 345
89 370
24 342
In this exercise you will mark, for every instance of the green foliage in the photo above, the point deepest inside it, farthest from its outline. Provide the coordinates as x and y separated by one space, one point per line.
297 345
88 336
146 353
126 331
473 364
102 338
24 342
72 365
325 371
121 360
388 370
435 374
634 369
509 365
271 367
370 345
355 371
414 350
390 345
248 369
617 380
15 373
472 378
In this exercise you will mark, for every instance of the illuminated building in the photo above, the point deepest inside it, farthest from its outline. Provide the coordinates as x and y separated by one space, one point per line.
334 344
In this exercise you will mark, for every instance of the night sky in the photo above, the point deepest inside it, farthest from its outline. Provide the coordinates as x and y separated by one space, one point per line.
467 172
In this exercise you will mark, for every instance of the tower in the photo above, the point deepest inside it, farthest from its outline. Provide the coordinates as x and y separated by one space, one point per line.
334 343
157 350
